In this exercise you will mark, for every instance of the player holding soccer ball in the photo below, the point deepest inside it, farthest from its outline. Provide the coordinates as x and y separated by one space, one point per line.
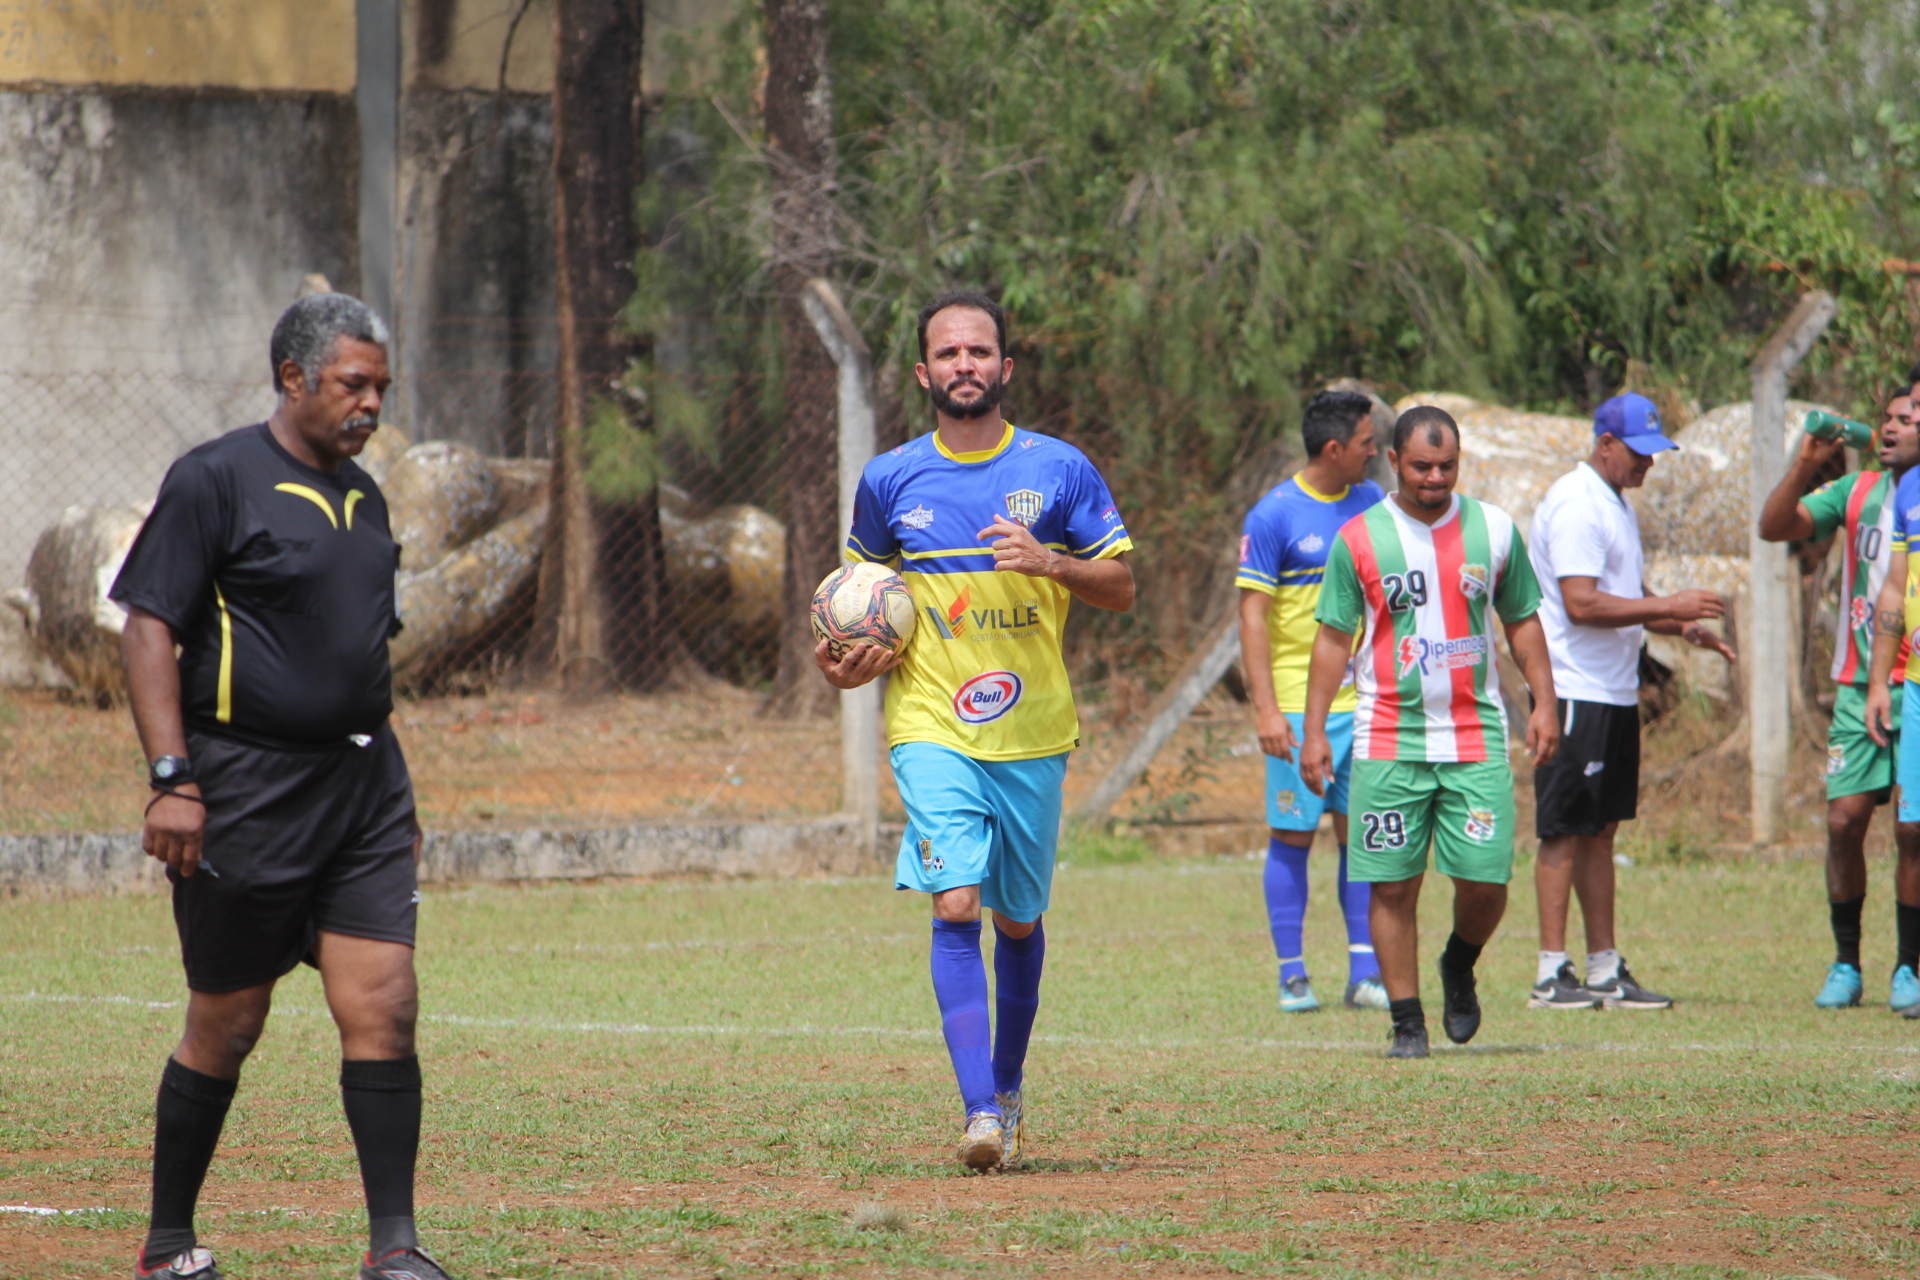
1421 578
996 530
1283 554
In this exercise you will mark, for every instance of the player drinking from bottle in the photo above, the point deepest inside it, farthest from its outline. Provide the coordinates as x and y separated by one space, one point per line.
1283 553
1420 578
996 530
1860 768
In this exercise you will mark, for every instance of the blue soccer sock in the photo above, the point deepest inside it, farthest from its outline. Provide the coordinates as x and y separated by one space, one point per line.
960 985
1016 999
1286 882
1354 897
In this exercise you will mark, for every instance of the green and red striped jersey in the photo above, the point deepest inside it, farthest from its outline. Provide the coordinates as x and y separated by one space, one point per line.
1862 505
1424 598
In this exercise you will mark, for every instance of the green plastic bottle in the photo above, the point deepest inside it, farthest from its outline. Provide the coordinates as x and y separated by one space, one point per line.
1822 425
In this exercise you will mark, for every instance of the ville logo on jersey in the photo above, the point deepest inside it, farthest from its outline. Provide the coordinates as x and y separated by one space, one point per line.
1024 505
1481 826
1110 515
918 518
1473 581
1311 543
986 698
953 623
1861 612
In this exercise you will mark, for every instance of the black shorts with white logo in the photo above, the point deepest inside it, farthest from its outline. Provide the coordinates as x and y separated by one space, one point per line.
1594 778
297 841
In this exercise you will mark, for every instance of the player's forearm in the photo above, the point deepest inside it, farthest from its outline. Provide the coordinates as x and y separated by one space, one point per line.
1104 584
153 684
1889 620
1593 608
1784 518
1325 669
1528 643
1256 652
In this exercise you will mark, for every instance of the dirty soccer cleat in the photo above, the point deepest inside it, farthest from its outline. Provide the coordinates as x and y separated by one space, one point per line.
985 1144
1460 1004
1408 1040
1296 996
1562 991
403 1264
1842 989
1012 1127
1366 994
194 1264
1622 992
1905 991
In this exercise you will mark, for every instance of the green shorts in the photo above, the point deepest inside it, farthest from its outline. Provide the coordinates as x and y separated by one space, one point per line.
1856 764
1396 807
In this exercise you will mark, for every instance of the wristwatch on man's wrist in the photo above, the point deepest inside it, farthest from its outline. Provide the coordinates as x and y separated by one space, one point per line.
167 772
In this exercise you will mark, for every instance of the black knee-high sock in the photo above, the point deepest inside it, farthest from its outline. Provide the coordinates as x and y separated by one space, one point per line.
1461 955
1407 1013
1907 921
188 1115
382 1098
1846 929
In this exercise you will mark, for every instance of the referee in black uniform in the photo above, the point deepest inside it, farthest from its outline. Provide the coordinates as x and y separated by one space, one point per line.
281 803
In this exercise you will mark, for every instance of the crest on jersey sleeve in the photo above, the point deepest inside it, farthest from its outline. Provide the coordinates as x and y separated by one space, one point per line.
1860 612
1024 505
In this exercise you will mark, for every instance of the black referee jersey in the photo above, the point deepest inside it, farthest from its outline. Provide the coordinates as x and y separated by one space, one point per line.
279 580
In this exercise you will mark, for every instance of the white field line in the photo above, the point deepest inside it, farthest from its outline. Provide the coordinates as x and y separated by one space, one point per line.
38 1212
807 1031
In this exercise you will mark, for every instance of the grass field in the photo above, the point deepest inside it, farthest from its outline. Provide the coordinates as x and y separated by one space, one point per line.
693 1079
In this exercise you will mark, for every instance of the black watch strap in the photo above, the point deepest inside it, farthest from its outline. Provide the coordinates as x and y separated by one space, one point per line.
170 771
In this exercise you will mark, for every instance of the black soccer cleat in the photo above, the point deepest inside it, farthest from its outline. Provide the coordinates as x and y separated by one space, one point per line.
1408 1040
189 1264
403 1264
1460 1007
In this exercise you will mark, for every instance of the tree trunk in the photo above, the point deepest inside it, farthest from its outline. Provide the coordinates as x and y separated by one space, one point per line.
592 633
799 119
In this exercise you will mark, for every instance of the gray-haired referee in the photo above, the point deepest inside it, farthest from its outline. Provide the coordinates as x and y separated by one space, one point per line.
281 804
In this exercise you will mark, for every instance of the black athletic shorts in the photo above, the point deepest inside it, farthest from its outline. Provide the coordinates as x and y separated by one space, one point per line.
1594 778
297 841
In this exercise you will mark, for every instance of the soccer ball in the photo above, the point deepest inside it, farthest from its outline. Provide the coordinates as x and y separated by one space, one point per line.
862 601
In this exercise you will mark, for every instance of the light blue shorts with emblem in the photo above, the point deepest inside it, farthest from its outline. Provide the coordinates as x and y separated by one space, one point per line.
1906 764
994 823
1290 806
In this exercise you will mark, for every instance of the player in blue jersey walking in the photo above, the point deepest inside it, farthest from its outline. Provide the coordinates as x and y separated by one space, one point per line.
996 531
1283 555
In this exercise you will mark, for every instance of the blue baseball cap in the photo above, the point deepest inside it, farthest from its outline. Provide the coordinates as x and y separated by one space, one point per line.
1635 420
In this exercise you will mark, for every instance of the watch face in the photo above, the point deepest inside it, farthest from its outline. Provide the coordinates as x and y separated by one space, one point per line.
166 767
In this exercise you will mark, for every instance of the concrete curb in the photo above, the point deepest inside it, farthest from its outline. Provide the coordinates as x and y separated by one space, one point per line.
825 846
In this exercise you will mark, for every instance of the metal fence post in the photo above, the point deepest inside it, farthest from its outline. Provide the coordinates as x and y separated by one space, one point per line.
1766 651
859 708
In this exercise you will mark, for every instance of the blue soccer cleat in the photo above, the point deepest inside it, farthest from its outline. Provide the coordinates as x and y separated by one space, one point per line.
1296 996
1906 989
1842 990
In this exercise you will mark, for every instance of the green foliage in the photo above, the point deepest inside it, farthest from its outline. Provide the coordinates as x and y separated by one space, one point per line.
1199 210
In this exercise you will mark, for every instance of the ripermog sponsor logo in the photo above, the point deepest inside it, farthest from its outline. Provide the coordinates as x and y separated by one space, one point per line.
987 697
1440 655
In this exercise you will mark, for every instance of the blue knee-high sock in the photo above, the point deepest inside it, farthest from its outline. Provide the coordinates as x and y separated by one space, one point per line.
1354 897
1016 999
960 985
1286 882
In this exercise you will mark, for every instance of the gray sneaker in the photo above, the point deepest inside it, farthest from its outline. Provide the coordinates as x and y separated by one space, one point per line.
1624 993
1562 991
403 1264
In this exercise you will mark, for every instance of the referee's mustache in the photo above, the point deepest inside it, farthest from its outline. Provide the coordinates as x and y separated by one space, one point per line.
362 422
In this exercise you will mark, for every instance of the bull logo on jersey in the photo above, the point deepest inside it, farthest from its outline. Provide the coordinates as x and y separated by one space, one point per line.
953 623
1473 581
1440 655
1860 612
918 518
1481 826
1024 505
986 698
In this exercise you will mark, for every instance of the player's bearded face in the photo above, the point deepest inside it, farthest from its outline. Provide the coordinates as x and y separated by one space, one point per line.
966 395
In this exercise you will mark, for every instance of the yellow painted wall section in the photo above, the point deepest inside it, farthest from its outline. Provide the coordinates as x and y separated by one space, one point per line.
456 44
235 44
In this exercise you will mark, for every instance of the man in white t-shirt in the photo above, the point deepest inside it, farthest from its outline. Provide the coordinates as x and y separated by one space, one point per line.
1594 607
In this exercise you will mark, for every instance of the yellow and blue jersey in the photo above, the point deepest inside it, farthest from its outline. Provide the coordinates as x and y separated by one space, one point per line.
1283 552
983 673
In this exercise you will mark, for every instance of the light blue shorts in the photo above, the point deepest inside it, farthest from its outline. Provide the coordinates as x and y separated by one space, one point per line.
994 823
1290 806
1906 764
